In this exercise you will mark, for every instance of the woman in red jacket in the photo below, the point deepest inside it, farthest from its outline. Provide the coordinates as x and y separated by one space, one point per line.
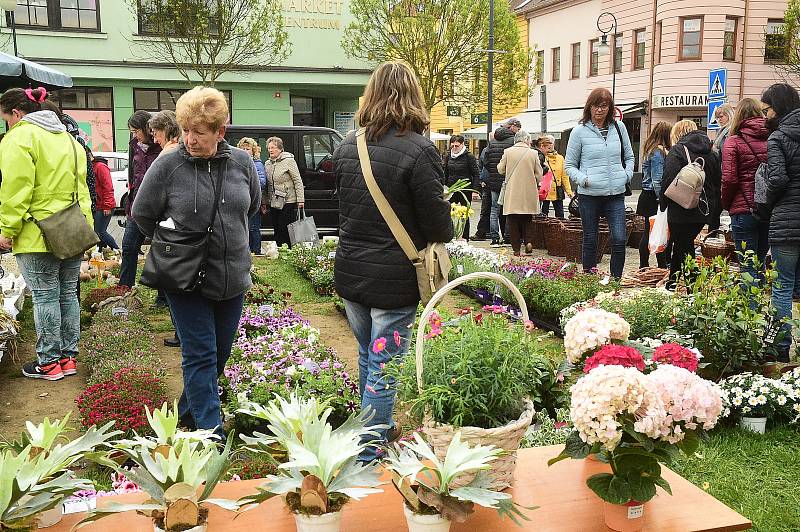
743 152
105 200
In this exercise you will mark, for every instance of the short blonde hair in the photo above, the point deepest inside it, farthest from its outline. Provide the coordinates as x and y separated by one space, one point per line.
204 106
250 143
277 141
681 128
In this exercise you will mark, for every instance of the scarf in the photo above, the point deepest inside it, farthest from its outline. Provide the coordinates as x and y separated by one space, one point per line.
459 153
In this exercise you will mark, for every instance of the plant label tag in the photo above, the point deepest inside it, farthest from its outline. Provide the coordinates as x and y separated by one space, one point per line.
80 505
332 255
635 512
564 267
530 272
605 280
119 312
460 269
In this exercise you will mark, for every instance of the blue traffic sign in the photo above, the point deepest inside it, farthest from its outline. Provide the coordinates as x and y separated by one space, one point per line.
717 83
713 124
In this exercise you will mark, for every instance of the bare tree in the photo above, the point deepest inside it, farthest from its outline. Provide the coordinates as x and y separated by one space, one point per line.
208 38
445 42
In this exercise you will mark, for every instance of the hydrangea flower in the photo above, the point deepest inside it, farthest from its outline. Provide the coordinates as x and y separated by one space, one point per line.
590 329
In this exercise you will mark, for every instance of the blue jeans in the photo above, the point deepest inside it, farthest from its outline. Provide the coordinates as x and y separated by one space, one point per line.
101 229
132 242
496 218
613 208
255 233
206 330
378 390
750 234
787 263
557 204
56 310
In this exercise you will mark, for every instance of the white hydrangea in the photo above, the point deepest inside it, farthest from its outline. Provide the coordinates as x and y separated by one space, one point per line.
590 329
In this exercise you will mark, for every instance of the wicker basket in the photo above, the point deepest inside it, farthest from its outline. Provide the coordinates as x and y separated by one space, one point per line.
573 244
717 247
506 437
537 231
554 238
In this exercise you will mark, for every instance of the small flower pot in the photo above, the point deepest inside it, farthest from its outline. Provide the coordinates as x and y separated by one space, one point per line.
754 424
202 527
330 522
624 517
425 523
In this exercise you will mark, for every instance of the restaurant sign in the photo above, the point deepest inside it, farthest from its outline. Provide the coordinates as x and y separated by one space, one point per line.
680 100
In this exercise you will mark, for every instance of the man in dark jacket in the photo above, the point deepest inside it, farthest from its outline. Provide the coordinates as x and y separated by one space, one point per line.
503 138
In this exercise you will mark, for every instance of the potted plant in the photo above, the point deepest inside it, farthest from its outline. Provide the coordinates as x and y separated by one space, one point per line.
589 330
753 399
178 470
35 474
638 421
322 472
431 502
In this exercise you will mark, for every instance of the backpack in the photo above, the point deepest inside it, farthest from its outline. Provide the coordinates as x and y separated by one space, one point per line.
687 187
760 178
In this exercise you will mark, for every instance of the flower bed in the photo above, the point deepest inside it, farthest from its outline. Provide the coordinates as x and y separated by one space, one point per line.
315 264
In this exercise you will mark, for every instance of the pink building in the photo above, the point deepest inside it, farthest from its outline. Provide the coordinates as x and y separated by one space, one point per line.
660 55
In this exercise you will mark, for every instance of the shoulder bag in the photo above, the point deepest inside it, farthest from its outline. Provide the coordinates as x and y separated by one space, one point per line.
628 191
66 233
432 265
176 262
501 198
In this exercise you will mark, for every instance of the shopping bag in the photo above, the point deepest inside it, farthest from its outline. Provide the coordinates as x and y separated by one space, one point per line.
544 187
659 232
304 229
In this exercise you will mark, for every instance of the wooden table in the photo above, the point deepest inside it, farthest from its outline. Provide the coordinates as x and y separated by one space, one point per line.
565 503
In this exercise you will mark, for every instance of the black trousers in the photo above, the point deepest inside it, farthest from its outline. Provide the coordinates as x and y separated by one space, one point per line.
682 236
281 218
648 207
486 211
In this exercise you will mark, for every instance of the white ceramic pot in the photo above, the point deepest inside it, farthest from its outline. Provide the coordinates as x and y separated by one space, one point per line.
755 424
330 522
425 523
199 528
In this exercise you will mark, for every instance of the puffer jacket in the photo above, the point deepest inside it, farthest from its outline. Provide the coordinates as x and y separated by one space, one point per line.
465 166
182 187
594 164
371 268
503 138
283 175
41 166
140 161
555 161
699 145
741 155
783 181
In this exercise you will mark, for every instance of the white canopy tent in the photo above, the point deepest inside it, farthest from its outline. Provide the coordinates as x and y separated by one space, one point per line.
558 120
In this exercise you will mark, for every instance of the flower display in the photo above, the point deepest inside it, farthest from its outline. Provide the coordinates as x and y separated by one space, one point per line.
460 215
751 395
590 329
792 379
676 355
615 355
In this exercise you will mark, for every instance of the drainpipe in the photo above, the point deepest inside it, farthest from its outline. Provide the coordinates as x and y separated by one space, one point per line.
652 68
744 47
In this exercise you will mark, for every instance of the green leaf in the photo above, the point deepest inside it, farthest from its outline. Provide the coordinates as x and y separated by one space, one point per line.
642 487
601 485
575 447
659 481
690 443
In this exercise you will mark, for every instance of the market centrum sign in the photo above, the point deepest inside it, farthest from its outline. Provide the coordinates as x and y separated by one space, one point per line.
680 100
317 14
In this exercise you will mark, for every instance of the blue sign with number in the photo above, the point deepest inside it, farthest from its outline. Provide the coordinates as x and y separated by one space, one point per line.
717 83
713 124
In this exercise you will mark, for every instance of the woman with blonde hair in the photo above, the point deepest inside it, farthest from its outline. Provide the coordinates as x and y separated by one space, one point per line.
207 187
744 151
561 187
654 152
254 150
686 224
372 273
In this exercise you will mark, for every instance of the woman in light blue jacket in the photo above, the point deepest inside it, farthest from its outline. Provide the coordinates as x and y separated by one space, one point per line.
599 162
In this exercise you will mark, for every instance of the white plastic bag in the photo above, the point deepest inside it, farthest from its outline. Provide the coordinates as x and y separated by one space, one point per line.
659 232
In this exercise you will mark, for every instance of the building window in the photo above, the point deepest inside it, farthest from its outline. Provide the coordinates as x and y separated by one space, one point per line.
539 67
150 17
658 43
556 73
83 98
729 44
594 57
155 100
80 15
576 61
617 57
775 46
639 46
93 109
691 39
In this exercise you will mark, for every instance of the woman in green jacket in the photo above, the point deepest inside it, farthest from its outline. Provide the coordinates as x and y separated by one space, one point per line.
43 169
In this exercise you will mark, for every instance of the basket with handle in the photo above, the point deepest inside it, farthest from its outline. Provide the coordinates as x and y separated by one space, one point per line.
553 237
508 436
716 247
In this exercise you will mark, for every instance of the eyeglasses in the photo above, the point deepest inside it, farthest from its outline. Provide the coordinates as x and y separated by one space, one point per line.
601 107
765 110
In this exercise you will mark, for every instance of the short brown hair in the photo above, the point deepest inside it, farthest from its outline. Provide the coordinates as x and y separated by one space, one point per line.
165 121
393 98
747 108
598 96
277 141
202 105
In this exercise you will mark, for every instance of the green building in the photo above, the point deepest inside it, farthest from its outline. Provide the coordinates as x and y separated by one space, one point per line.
99 43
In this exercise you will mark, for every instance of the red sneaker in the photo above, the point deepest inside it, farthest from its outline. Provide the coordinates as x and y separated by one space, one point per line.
50 372
68 366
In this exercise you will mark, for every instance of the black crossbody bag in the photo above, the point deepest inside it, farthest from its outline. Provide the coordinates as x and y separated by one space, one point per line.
628 191
176 262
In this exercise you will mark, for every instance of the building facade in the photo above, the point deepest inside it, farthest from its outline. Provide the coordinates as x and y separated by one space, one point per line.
99 43
658 59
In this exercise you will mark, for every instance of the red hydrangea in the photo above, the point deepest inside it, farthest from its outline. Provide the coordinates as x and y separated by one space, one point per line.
676 355
615 355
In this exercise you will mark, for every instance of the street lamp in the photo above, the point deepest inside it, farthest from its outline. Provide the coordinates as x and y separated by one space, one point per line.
11 6
603 48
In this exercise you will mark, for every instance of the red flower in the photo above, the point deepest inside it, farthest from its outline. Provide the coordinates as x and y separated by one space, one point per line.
676 355
615 355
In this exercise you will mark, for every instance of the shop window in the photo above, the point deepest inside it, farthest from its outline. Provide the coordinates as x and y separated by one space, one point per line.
576 61
155 100
150 17
639 47
93 109
617 57
539 67
691 39
776 49
556 72
594 57
72 15
83 98
729 43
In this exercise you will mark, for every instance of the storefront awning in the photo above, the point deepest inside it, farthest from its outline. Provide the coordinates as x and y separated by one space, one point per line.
18 72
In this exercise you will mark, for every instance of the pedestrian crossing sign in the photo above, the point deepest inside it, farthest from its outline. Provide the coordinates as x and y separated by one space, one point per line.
713 123
717 83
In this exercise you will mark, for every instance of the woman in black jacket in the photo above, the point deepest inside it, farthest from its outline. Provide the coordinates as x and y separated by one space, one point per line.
686 224
781 107
372 274
459 163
